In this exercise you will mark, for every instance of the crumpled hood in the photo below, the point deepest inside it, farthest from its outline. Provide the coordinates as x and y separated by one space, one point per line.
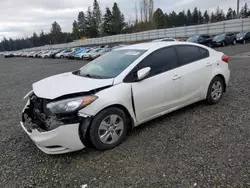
67 83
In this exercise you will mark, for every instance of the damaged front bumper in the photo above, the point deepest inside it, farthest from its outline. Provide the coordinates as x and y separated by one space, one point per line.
61 137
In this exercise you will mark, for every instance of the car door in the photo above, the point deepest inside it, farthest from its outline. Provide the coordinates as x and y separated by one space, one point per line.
160 90
195 69
248 36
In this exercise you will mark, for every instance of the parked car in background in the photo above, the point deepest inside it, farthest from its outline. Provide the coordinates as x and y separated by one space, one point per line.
99 53
63 53
72 54
224 39
164 40
47 54
80 55
243 37
101 101
53 55
8 54
201 39
87 56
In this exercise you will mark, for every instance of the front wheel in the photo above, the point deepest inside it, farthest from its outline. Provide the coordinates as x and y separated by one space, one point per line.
215 90
210 45
223 44
234 42
244 42
109 128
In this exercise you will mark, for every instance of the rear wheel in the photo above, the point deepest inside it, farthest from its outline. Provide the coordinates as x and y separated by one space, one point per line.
223 44
108 129
215 90
210 45
61 56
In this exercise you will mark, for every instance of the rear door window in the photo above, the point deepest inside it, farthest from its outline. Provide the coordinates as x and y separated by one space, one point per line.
188 54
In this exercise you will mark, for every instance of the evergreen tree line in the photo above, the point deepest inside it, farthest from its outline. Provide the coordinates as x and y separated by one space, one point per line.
93 24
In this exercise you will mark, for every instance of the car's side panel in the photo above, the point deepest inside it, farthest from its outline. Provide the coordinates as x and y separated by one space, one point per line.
115 95
156 94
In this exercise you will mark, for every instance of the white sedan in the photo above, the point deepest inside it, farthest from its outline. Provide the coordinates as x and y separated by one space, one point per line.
120 90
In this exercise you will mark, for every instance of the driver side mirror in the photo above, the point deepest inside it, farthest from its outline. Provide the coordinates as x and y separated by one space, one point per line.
142 73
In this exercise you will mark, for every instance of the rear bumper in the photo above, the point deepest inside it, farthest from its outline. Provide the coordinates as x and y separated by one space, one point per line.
63 139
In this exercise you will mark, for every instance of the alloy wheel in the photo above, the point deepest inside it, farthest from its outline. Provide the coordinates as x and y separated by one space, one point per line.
217 90
111 129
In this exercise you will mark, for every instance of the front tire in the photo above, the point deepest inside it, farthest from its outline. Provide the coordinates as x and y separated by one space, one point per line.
109 128
244 42
223 44
234 42
215 90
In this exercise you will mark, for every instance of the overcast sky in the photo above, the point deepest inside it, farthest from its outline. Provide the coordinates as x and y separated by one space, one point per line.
19 18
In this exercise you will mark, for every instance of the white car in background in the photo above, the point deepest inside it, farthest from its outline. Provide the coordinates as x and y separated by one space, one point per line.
47 54
120 90
99 53
62 53
93 51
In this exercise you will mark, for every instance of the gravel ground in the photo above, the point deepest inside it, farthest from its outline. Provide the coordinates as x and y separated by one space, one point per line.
198 146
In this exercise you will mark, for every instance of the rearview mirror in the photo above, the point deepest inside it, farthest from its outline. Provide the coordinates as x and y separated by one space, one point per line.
141 74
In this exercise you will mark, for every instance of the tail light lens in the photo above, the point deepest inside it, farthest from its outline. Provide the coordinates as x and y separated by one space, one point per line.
225 58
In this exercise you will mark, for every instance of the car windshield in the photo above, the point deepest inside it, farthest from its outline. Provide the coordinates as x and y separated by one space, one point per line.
241 34
110 64
192 39
219 37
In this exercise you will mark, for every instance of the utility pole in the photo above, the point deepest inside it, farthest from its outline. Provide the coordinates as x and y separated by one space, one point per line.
238 8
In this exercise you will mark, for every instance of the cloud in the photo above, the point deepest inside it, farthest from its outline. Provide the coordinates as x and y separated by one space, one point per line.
20 18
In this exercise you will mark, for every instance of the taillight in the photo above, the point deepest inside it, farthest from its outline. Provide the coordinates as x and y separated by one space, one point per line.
225 58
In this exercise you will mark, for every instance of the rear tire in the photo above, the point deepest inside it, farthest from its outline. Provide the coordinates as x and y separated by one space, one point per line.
215 90
108 128
61 56
223 44
210 45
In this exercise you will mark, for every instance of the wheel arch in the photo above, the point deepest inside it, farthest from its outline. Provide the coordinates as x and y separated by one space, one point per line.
223 79
126 111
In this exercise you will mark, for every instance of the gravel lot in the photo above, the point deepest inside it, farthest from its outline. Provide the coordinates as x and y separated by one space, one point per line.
198 146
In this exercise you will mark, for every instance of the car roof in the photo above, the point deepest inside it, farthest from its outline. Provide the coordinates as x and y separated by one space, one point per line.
153 45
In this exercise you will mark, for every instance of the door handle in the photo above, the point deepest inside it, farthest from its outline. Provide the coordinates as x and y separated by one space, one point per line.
176 77
208 64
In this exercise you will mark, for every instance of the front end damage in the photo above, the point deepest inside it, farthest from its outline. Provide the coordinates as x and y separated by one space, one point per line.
53 134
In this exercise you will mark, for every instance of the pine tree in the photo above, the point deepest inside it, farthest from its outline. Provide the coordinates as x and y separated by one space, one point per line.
75 31
89 24
244 11
189 17
55 32
200 17
206 17
213 18
159 19
97 17
81 22
117 20
195 16
182 18
234 14
107 22
229 14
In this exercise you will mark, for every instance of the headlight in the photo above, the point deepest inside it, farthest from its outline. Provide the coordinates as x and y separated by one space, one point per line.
241 38
70 105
